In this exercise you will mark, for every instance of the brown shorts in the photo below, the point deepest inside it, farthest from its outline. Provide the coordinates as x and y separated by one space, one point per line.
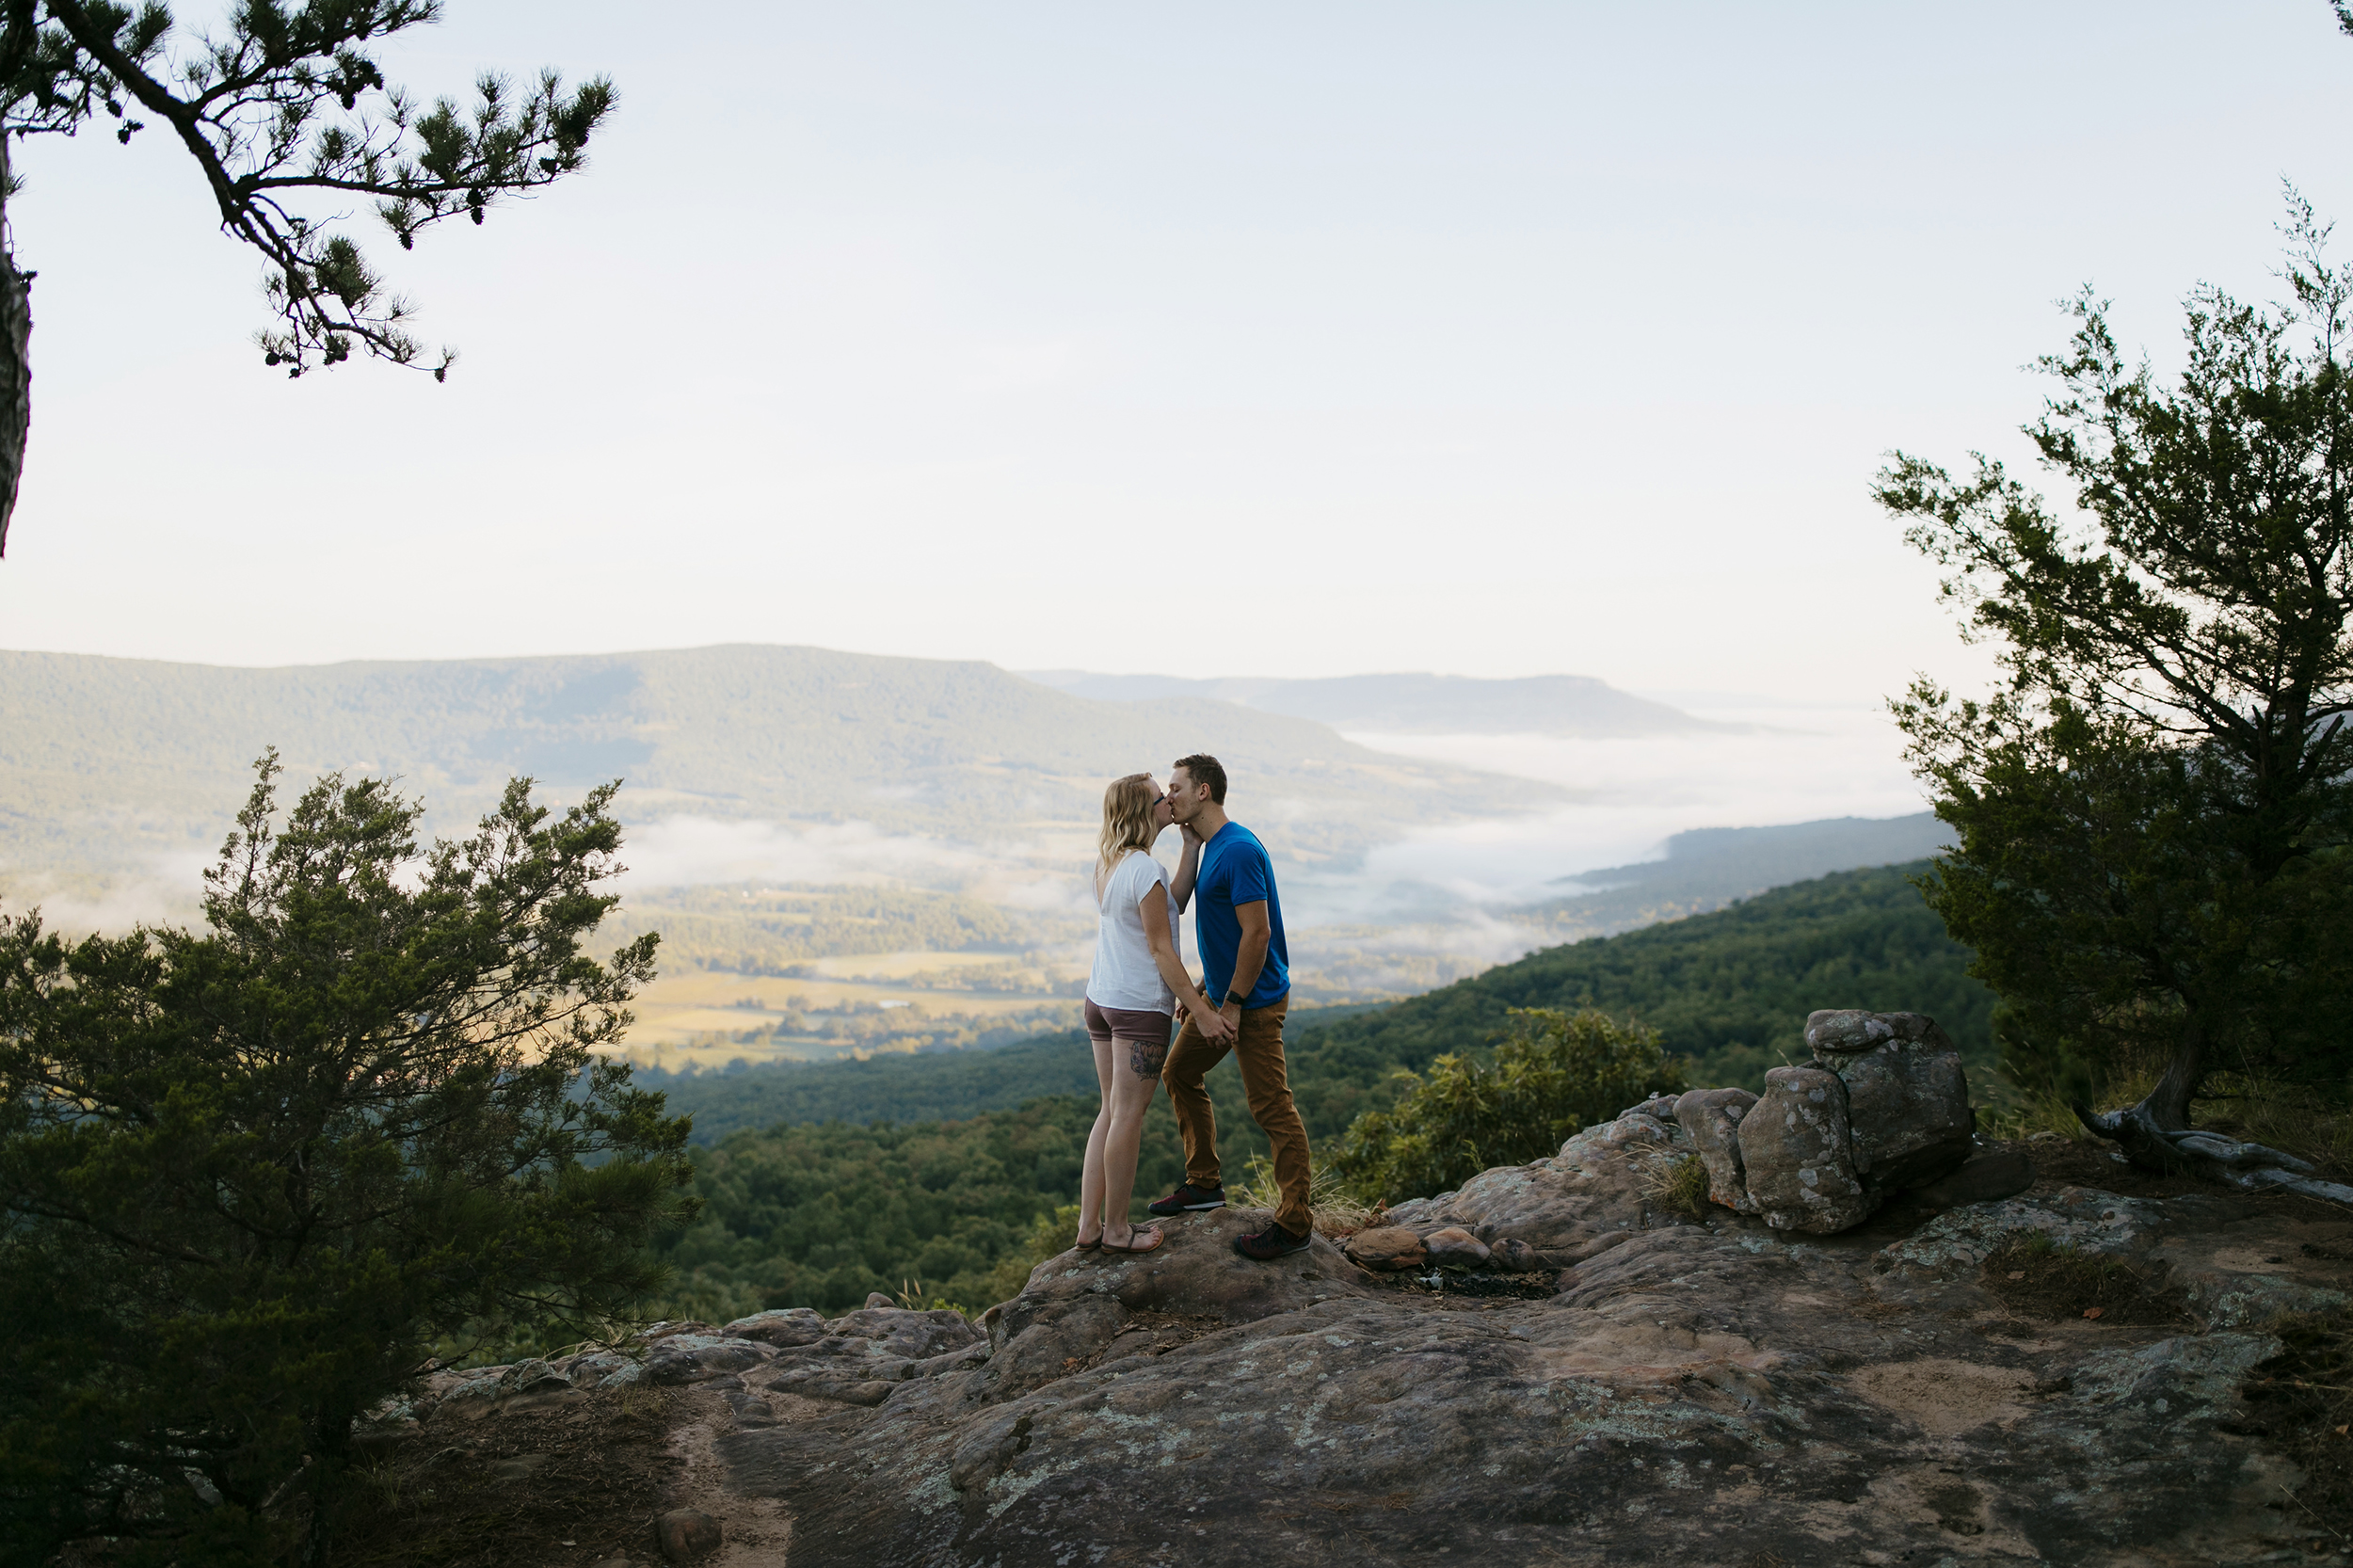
1142 1034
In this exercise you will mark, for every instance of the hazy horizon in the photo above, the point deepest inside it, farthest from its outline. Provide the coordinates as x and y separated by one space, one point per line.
1498 340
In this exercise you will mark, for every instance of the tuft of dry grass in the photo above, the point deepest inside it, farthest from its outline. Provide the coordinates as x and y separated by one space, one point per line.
1339 1213
1678 1183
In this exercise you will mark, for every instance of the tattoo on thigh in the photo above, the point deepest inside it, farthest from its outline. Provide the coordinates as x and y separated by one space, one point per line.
1145 1058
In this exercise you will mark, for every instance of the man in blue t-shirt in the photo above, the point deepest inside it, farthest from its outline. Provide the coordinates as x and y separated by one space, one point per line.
1238 925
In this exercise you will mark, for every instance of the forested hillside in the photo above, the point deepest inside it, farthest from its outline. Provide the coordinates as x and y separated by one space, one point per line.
1729 989
814 1197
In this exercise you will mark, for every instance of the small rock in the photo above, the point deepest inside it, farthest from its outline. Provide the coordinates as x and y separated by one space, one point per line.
1455 1245
686 1533
525 1376
1386 1247
876 1298
1711 1118
1837 1030
793 1325
750 1409
1515 1255
1658 1107
692 1358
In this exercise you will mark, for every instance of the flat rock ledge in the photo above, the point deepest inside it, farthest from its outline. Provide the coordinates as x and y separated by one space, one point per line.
1716 1393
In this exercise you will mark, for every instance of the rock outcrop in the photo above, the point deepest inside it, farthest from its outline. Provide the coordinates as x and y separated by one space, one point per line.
1823 1369
1882 1108
1692 1393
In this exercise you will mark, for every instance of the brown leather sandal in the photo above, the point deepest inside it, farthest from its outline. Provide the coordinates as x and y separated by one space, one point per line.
1157 1236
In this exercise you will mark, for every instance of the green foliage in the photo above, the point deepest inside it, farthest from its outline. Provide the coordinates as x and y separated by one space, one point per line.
1730 990
253 1174
914 1088
1558 1073
821 1215
1053 1235
280 103
2155 809
956 1198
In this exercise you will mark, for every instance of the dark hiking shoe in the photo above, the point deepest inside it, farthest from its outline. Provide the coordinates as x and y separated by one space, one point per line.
1188 1198
1266 1246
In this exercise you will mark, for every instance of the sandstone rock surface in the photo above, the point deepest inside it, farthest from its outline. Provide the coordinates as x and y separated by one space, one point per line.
1455 1245
1713 1394
1387 1247
1796 1153
1907 1104
1691 1394
1711 1119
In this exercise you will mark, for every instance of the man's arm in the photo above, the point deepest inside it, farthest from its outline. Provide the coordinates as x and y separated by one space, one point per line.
1188 868
1249 955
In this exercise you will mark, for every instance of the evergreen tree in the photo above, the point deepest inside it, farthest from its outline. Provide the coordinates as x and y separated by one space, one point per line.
283 106
2153 809
253 1176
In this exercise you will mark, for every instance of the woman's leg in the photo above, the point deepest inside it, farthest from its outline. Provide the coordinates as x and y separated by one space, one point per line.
1141 1054
1091 1174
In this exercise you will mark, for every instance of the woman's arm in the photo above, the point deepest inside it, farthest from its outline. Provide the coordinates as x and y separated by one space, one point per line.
1188 868
1152 906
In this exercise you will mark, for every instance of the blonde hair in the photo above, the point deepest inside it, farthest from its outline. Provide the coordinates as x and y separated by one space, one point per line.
1127 822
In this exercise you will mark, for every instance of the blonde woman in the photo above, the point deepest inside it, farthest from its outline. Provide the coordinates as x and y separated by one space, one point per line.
1132 1003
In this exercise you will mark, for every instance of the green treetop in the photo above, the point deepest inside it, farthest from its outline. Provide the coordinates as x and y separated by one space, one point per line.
2153 809
289 119
253 1176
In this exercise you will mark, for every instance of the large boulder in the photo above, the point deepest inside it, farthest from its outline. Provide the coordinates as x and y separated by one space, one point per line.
1567 1206
1796 1153
1907 1099
1711 1119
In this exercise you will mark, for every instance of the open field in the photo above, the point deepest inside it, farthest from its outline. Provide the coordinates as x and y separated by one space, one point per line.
849 1007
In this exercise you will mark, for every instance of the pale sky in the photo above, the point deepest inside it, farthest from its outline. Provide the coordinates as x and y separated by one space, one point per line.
1215 338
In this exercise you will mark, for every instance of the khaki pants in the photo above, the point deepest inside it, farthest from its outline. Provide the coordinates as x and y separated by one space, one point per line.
1259 1053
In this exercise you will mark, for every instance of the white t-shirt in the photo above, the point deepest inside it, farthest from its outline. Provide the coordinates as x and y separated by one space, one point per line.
1124 975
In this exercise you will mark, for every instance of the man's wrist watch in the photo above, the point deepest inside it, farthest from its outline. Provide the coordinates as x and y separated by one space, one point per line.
1236 999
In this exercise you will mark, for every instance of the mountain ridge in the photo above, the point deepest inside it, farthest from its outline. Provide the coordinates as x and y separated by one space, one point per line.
1412 703
112 757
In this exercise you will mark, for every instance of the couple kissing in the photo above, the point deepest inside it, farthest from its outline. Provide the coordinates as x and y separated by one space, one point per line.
1140 980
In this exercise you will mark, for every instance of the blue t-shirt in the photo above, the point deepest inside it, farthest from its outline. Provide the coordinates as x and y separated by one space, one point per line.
1235 870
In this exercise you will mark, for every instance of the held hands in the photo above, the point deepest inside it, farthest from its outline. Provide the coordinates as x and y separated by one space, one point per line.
1213 1023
